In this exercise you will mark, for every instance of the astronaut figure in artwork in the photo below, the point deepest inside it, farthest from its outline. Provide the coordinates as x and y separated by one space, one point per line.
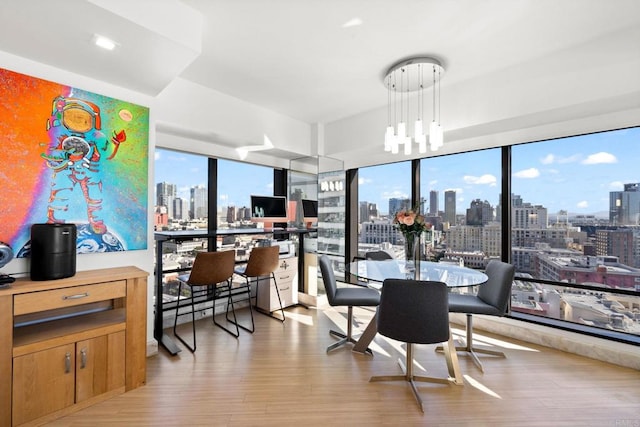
75 160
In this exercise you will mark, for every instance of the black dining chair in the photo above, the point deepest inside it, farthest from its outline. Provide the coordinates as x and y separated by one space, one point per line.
345 296
378 255
492 299
416 312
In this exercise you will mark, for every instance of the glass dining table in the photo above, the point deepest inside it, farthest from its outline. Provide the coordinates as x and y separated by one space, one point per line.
375 272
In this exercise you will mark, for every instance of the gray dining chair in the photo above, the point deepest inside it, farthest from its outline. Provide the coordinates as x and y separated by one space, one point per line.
345 296
491 299
377 255
416 312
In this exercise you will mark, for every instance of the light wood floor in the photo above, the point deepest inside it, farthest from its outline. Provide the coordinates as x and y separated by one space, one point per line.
281 376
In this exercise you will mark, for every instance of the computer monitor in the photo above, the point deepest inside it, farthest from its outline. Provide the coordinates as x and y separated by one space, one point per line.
268 209
310 210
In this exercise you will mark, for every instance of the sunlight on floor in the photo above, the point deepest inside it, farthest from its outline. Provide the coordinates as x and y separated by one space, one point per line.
476 384
480 339
305 319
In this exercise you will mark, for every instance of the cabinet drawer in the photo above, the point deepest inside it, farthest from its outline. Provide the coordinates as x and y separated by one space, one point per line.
285 276
67 297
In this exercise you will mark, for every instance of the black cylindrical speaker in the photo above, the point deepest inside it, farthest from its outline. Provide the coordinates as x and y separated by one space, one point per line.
53 251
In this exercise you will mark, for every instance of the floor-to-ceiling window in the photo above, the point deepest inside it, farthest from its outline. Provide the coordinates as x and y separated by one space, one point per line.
181 201
461 199
575 212
382 191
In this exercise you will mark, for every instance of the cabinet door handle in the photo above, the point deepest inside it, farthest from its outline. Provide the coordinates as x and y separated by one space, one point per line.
284 289
83 358
67 363
76 296
284 277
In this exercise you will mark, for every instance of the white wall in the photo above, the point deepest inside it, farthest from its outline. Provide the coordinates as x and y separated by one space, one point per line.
197 120
200 115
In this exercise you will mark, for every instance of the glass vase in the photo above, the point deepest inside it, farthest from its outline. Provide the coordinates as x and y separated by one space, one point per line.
412 247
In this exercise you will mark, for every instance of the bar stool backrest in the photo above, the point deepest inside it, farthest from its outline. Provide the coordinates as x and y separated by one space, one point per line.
210 268
263 261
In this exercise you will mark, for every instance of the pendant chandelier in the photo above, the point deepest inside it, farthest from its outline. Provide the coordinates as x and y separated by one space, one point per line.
411 75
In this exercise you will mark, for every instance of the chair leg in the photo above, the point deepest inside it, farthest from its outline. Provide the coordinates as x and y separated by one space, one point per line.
267 313
345 338
472 351
193 321
235 321
408 376
233 310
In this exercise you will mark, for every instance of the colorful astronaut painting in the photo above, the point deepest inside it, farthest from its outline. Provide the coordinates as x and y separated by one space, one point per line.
71 156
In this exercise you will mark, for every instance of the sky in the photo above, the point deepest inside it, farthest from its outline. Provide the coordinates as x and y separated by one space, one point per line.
236 182
574 174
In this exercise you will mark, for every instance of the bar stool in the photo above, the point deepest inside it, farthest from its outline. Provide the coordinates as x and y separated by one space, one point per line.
263 262
212 270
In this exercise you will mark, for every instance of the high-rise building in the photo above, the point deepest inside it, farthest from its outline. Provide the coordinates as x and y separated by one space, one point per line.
450 207
617 243
396 205
231 214
433 202
528 216
180 208
624 206
367 211
479 213
199 202
165 193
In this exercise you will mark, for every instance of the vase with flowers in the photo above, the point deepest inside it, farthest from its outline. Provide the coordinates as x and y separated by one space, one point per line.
411 224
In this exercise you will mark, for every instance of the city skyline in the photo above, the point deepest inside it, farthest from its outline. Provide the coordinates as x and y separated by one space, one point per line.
543 173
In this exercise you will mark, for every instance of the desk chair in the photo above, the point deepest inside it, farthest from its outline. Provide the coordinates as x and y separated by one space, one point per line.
377 255
492 299
263 261
416 312
347 296
213 271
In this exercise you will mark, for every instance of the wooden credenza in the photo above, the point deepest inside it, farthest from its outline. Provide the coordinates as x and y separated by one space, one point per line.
67 344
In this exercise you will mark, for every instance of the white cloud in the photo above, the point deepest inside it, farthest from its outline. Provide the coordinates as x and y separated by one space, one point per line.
583 204
601 157
552 158
570 159
362 181
156 155
548 159
395 194
433 183
481 180
527 173
616 186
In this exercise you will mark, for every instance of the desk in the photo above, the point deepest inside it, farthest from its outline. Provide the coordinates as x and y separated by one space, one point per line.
184 235
377 271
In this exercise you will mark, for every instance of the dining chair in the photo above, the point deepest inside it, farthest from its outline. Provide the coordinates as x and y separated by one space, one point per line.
263 262
378 255
345 296
416 312
491 299
210 277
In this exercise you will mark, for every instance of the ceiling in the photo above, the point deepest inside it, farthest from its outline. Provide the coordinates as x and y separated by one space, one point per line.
302 58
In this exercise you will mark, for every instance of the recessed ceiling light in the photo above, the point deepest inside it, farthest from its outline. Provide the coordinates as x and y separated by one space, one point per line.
353 22
104 42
